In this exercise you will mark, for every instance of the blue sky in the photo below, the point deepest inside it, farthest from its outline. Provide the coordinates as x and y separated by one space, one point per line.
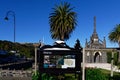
32 22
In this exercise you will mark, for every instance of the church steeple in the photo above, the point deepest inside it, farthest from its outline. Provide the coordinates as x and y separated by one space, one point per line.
94 24
94 35
95 42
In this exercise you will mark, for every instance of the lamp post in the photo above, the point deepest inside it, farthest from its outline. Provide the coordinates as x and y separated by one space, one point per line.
12 13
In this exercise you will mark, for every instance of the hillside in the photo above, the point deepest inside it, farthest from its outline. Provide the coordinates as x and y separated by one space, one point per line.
26 49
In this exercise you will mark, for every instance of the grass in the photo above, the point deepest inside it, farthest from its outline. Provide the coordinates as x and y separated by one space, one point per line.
116 75
109 72
98 74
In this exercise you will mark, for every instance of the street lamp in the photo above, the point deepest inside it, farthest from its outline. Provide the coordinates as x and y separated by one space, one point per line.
12 13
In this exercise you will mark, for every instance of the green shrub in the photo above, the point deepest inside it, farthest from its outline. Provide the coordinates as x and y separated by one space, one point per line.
115 59
36 77
69 78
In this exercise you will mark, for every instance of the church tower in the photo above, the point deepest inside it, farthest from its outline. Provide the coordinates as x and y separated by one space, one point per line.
95 42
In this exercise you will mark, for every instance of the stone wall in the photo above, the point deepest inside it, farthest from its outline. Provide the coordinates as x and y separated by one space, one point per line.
15 75
15 78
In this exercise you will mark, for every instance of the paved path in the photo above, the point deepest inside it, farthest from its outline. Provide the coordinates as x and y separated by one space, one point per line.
106 66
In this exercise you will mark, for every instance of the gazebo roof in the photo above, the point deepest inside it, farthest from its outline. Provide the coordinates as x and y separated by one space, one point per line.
57 46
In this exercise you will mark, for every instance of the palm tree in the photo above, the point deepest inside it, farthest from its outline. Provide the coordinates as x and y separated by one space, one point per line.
62 21
114 35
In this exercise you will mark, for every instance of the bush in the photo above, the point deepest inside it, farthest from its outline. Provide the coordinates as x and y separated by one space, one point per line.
44 76
69 78
36 77
109 56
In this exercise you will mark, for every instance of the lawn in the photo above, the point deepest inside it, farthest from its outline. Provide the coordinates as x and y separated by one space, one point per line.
91 74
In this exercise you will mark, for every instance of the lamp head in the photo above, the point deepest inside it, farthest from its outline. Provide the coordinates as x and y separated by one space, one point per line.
6 18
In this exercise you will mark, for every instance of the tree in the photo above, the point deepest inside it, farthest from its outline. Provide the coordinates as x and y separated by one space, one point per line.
62 21
77 45
114 35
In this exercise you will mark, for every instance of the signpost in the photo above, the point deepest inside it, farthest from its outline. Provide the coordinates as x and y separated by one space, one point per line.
59 59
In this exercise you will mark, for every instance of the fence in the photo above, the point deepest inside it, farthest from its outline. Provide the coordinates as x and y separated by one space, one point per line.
17 65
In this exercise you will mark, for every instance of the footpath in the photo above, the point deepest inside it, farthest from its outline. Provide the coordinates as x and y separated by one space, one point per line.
106 66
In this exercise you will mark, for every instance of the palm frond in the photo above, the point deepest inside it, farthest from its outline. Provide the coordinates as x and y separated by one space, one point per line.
62 21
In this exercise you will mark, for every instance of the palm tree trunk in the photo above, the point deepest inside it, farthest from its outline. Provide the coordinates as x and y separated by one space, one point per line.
62 37
119 56
119 53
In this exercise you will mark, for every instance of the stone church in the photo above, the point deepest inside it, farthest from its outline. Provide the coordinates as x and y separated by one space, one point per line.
94 56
